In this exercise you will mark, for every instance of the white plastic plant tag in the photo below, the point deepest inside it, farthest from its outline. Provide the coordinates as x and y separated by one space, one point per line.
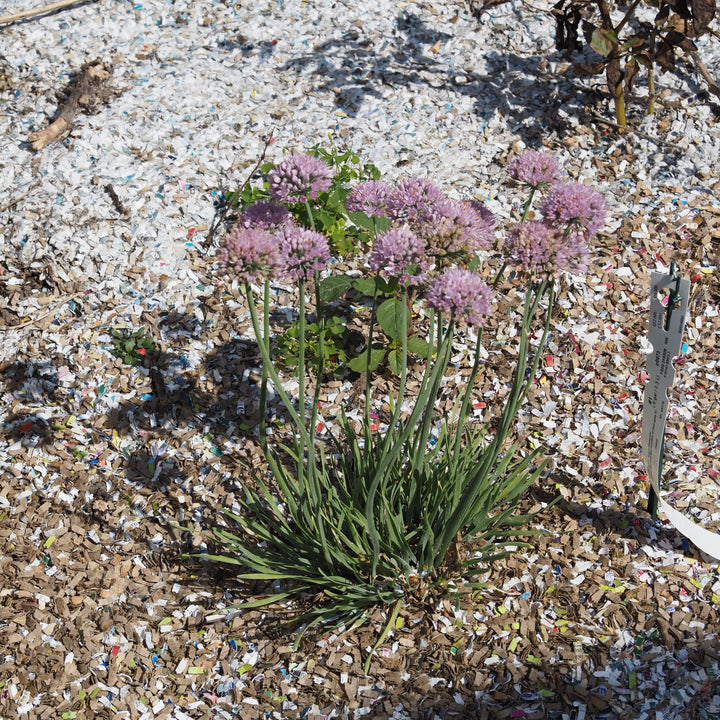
666 345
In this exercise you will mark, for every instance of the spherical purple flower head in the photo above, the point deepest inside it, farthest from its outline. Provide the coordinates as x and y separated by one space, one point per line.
454 226
461 294
250 253
534 245
264 215
299 178
576 206
573 255
412 199
486 215
302 251
535 169
368 197
400 254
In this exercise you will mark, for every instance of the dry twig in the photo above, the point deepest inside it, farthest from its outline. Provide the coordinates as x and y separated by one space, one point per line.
211 234
48 311
700 65
623 128
88 89
13 17
14 202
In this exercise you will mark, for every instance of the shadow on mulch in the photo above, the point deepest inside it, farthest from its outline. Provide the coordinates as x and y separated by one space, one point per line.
352 68
205 411
213 396
36 382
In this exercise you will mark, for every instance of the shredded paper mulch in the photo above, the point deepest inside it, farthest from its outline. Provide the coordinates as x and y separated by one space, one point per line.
102 613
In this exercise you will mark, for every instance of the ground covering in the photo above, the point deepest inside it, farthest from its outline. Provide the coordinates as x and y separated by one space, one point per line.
609 614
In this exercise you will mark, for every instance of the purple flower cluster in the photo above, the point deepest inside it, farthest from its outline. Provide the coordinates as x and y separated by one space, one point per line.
449 227
430 228
368 197
534 245
266 242
576 206
301 251
487 217
299 178
541 249
452 227
400 254
461 294
573 255
265 215
535 169
412 200
571 213
250 253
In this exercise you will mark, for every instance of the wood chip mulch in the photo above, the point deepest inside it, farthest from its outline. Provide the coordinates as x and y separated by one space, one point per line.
607 615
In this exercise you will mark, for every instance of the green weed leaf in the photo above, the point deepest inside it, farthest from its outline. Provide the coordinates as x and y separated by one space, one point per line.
334 287
366 286
359 364
392 316
395 361
418 346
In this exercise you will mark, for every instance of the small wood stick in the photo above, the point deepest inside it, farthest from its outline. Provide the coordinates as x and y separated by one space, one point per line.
700 65
40 11
84 90
268 140
16 200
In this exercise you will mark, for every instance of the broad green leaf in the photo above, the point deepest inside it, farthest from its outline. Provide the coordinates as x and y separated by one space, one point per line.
337 196
634 41
359 364
366 286
362 220
334 287
383 224
325 219
392 316
374 223
395 361
417 345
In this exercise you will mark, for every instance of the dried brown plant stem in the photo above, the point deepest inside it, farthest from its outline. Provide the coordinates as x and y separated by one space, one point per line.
14 17
623 128
619 100
54 305
613 73
700 65
14 202
84 91
627 17
651 74
211 233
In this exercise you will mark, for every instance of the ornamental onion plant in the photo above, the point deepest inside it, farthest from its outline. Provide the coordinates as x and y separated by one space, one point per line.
366 518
